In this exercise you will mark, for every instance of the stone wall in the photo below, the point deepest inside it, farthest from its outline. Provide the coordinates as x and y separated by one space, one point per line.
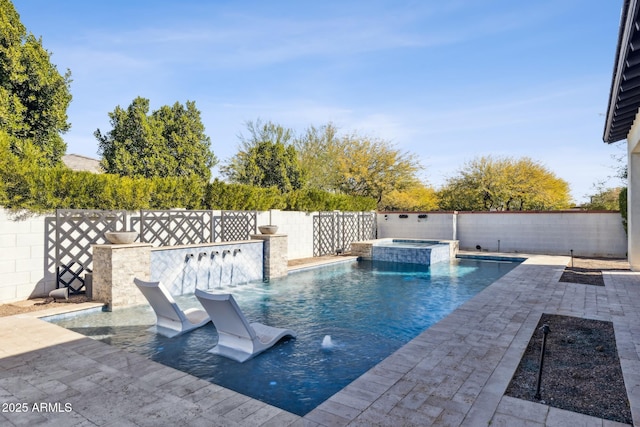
434 225
275 254
114 268
363 249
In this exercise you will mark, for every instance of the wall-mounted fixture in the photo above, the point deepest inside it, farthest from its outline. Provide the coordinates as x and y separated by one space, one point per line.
404 216
386 217
422 216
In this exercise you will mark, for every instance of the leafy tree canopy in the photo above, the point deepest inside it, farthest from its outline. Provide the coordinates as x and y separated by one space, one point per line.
168 142
604 199
353 165
266 159
374 167
488 183
359 165
318 151
419 198
34 96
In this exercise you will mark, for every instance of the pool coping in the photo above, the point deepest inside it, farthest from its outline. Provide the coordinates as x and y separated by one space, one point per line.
454 373
321 263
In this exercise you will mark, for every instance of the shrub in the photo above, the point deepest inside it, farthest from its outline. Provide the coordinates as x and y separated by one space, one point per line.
310 200
225 196
26 186
622 201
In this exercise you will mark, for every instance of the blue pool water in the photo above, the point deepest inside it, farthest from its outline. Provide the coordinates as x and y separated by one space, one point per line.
369 309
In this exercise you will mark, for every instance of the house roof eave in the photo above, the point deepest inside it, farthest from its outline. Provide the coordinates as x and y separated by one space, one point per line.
626 70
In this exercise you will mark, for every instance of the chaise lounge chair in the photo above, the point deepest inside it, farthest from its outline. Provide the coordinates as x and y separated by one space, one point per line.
238 340
171 320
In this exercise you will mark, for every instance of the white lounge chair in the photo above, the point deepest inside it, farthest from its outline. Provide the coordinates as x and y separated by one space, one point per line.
237 339
171 320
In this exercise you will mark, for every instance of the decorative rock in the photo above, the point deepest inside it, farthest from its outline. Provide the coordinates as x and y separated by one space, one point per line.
60 293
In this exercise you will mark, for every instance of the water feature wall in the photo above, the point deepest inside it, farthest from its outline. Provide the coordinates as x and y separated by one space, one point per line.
183 269
406 250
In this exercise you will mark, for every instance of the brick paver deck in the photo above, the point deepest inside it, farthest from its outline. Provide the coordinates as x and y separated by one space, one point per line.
453 374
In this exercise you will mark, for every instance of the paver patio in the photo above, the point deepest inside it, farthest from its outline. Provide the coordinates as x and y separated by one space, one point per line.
453 374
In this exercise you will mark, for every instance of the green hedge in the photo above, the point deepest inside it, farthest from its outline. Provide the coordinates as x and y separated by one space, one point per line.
622 202
220 195
309 200
24 186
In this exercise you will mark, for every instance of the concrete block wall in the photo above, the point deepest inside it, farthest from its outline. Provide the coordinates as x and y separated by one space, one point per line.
298 226
27 255
554 233
25 268
27 263
436 225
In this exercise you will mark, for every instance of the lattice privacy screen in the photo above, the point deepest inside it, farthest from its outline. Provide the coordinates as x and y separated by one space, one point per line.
334 232
237 225
176 227
76 231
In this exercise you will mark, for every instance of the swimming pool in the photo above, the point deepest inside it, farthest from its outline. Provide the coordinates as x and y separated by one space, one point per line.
369 309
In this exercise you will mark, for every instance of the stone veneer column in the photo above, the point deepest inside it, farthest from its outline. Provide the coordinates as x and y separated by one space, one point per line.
114 267
275 255
362 249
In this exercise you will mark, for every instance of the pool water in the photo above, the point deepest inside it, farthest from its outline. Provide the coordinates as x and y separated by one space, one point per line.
369 310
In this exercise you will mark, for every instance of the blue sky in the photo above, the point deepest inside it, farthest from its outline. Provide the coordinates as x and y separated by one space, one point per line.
446 80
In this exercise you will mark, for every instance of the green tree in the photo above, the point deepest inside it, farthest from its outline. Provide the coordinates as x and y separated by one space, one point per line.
622 203
419 198
20 168
168 142
266 159
372 167
362 166
353 165
503 184
318 151
604 199
34 96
